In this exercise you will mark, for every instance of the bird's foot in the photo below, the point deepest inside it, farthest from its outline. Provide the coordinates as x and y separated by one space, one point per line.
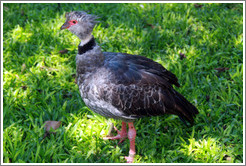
131 137
122 135
130 158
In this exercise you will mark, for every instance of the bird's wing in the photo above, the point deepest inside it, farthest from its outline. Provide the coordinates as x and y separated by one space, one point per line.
140 87
129 69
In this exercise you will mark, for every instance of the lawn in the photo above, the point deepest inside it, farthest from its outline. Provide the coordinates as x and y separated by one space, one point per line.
202 44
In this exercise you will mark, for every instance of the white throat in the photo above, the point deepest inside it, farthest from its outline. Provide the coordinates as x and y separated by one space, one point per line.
86 40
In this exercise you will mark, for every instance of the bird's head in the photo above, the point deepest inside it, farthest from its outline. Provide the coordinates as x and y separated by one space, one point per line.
80 23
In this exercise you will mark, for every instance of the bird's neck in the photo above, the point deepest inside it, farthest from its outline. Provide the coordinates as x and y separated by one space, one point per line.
86 45
89 57
86 40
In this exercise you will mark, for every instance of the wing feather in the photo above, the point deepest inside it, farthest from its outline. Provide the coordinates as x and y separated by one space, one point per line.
141 87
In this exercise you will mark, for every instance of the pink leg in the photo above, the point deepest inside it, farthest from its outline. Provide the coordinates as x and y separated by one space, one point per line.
122 135
131 137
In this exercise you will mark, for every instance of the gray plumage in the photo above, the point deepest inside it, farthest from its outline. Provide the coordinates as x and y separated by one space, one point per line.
86 23
123 86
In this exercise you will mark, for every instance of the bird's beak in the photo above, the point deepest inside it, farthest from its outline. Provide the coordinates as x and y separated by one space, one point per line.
66 25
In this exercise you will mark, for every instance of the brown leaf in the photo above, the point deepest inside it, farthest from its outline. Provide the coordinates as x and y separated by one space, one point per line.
52 125
221 69
182 56
197 5
148 25
63 51
227 157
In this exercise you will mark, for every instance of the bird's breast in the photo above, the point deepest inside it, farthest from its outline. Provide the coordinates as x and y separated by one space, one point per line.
96 95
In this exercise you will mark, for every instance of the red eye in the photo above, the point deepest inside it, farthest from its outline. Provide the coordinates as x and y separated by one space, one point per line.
73 22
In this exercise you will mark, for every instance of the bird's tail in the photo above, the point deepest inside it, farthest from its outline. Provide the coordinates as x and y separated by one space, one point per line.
185 110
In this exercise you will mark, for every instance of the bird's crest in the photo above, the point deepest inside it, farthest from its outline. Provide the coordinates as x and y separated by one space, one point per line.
82 16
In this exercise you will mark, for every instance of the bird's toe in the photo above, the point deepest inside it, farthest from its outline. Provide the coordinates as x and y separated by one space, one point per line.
129 159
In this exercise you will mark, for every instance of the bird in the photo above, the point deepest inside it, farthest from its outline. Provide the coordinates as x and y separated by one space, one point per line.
123 86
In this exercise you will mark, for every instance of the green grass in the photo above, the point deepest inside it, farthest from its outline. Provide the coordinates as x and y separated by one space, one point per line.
38 82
